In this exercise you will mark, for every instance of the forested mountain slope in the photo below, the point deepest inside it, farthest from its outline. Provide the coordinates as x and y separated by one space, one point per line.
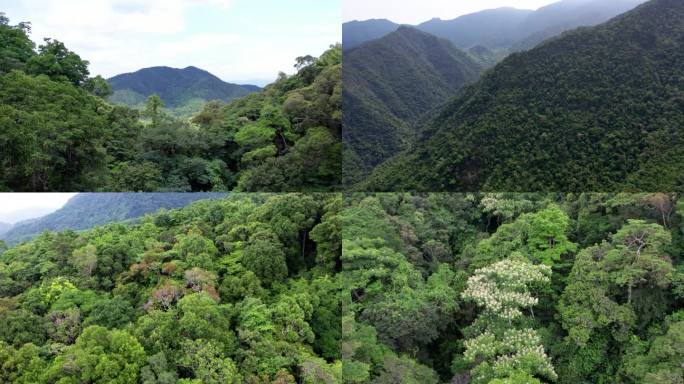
180 89
87 210
501 29
492 28
513 288
556 18
597 109
355 33
388 85
236 290
59 133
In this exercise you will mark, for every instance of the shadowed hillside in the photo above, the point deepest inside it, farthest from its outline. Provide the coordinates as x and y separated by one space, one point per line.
389 84
597 109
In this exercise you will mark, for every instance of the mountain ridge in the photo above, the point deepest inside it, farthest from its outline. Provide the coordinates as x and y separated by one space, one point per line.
595 109
503 27
177 87
86 210
390 83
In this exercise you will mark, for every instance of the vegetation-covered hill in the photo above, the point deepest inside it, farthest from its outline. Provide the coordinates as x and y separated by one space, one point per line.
87 210
60 134
492 28
182 90
355 33
565 15
236 290
389 84
512 288
597 109
502 29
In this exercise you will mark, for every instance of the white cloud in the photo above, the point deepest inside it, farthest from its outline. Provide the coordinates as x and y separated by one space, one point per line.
256 41
16 207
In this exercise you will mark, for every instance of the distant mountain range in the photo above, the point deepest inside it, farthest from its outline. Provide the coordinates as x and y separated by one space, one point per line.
389 84
182 90
502 28
596 109
87 210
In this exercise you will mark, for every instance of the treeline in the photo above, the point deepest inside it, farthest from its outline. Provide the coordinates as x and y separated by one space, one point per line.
238 290
513 288
59 133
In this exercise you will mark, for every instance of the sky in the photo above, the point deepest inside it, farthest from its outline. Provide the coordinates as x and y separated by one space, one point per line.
15 207
242 41
415 12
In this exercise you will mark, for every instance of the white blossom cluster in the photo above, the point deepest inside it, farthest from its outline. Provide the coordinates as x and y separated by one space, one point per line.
516 349
518 339
484 345
532 359
501 288
489 345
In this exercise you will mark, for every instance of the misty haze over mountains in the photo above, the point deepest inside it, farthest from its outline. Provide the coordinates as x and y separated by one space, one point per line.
501 28
25 214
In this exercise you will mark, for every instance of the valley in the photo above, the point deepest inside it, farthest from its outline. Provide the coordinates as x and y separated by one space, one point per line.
593 109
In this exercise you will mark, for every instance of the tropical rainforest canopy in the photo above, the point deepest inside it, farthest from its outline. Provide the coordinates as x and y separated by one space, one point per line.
58 132
513 288
244 289
383 288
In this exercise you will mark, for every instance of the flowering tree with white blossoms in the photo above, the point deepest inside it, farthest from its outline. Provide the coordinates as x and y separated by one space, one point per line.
505 350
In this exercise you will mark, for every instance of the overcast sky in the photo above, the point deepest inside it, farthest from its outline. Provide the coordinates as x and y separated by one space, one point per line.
16 207
237 40
415 12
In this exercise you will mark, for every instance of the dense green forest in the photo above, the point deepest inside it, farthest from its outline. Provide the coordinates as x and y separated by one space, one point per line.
87 210
389 85
508 288
597 109
58 133
496 288
237 290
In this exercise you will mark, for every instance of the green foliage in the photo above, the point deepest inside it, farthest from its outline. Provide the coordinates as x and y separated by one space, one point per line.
659 361
511 288
15 46
541 236
44 129
61 134
172 298
57 62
